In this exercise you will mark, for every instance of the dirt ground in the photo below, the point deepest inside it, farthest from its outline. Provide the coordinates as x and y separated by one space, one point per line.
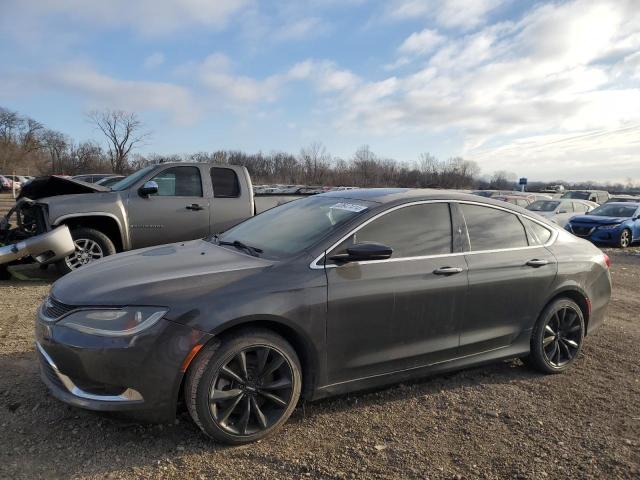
499 421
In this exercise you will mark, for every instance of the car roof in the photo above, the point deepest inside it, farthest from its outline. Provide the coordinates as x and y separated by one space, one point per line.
624 204
404 195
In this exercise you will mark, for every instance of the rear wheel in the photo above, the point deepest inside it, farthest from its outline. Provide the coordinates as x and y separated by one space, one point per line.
245 388
625 238
557 337
91 245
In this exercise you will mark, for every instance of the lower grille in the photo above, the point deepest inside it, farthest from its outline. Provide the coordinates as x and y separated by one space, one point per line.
582 231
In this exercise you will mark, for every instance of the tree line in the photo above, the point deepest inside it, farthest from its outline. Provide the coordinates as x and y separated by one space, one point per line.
29 148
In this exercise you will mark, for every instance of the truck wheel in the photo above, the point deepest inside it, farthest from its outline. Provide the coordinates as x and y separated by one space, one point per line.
91 245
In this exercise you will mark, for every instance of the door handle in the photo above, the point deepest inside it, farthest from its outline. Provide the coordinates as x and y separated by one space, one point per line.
537 263
447 270
194 206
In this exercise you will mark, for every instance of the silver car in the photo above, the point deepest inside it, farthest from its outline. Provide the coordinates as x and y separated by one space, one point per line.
561 210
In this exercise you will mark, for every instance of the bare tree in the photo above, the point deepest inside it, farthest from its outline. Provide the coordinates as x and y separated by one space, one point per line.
56 144
123 131
315 161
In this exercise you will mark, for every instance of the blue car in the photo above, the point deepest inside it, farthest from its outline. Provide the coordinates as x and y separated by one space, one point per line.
614 223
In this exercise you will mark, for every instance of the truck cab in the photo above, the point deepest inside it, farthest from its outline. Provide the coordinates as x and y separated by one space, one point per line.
162 203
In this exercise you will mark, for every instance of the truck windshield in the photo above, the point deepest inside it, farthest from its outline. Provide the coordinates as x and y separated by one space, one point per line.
126 182
577 195
295 226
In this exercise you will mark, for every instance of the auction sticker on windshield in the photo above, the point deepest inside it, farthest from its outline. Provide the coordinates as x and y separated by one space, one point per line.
349 207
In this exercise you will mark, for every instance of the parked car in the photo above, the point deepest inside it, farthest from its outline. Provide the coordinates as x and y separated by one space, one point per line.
93 177
597 196
159 204
519 200
614 223
20 180
5 183
624 198
561 210
110 181
322 296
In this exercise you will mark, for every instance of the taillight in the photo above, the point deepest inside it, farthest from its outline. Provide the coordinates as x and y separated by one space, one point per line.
607 260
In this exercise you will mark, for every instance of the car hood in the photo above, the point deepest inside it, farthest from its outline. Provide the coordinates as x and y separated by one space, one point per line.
166 275
53 186
596 220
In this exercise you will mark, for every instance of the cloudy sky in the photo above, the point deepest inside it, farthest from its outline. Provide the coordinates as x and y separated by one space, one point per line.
547 90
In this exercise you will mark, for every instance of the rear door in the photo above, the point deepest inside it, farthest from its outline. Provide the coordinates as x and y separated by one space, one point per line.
179 211
510 272
400 313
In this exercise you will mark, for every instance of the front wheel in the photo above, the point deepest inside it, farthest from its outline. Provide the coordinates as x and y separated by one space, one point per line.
245 388
625 238
557 337
91 245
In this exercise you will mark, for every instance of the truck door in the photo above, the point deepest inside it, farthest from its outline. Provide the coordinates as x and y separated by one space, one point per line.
179 211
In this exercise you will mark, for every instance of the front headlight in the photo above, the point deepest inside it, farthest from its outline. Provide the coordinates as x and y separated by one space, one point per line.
609 227
116 322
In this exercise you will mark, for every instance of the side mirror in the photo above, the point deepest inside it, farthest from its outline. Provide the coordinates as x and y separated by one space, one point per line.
149 188
364 251
562 210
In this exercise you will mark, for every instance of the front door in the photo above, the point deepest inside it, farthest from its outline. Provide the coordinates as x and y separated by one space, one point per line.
401 313
178 212
510 272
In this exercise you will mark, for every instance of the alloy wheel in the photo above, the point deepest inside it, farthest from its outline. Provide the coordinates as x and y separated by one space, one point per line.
87 251
625 238
251 391
562 337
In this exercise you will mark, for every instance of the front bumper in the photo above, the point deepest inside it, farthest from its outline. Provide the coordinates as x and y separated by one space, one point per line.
609 236
46 248
140 374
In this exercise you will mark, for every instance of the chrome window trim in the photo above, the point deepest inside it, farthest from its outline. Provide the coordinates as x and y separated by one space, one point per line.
129 395
554 235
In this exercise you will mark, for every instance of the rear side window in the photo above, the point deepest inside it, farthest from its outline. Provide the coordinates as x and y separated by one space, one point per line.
491 229
413 231
179 182
225 183
538 235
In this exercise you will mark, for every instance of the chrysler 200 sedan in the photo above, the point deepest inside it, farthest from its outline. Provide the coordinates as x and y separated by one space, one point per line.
325 295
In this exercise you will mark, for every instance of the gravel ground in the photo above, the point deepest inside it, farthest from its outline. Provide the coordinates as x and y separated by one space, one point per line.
499 421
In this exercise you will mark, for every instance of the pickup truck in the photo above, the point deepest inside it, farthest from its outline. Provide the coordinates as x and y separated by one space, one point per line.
163 203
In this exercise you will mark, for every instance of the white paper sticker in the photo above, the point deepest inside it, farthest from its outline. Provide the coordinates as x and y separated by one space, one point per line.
350 207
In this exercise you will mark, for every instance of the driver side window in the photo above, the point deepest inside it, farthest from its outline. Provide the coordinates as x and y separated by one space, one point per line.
413 231
179 182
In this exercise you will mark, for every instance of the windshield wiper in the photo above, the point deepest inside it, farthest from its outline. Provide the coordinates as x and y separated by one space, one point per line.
254 251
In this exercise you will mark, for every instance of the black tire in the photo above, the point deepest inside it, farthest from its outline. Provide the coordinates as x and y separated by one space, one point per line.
556 340
245 411
625 238
82 235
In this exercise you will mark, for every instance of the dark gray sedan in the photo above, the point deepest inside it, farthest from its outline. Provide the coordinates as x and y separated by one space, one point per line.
321 296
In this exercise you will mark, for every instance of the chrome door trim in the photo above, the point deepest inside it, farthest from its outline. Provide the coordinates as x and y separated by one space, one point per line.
554 235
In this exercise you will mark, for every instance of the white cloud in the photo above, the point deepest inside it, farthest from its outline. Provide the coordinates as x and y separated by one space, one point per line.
300 29
154 60
148 17
102 91
462 14
419 43
563 70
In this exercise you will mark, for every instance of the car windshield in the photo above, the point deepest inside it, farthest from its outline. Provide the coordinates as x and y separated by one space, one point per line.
126 182
613 210
578 195
543 206
295 226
